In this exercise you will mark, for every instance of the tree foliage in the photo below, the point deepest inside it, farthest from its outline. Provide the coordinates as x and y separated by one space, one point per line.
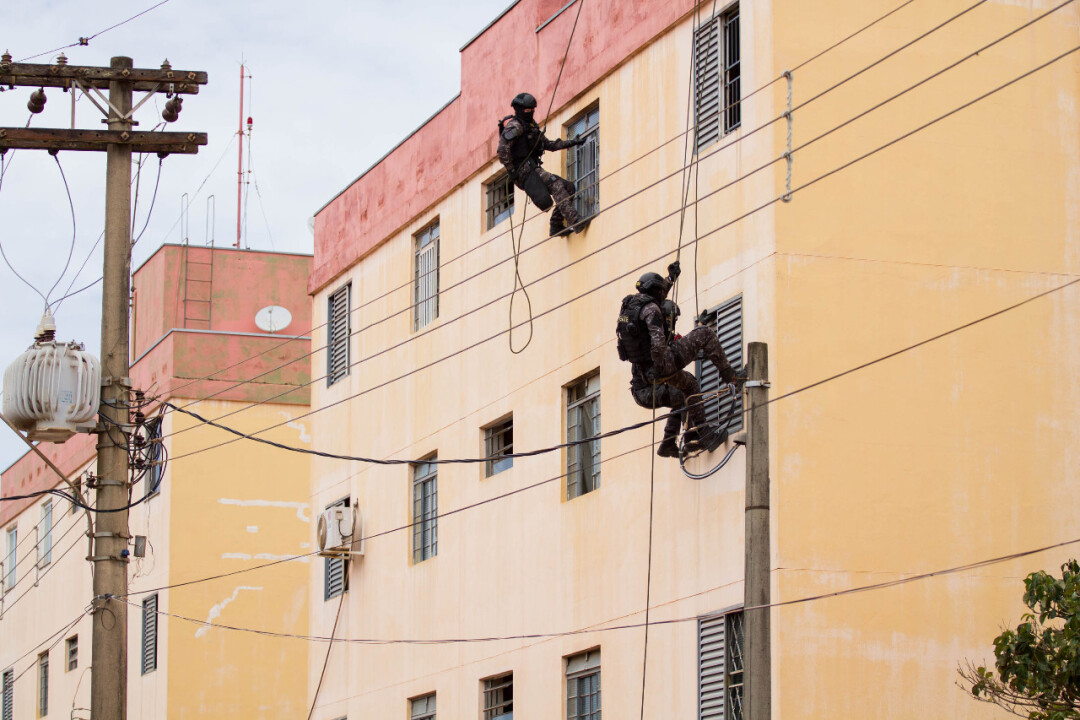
1037 672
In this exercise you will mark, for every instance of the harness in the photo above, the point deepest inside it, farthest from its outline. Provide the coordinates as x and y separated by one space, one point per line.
633 341
525 146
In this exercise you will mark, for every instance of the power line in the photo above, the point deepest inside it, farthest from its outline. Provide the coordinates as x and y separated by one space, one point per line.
625 626
650 262
84 41
610 174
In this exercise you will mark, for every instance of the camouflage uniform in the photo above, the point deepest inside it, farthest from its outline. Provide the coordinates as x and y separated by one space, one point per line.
675 387
531 143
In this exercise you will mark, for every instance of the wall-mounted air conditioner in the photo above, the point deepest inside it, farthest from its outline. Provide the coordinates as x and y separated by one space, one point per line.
340 532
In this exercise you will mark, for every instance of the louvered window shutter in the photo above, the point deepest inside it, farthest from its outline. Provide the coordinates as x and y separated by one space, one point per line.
149 634
727 322
707 108
9 695
711 655
335 577
337 342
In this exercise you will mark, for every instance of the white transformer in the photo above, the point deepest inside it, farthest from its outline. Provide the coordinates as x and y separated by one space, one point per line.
52 387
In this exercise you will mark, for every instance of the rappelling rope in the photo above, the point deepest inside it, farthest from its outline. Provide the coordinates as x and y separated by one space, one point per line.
515 243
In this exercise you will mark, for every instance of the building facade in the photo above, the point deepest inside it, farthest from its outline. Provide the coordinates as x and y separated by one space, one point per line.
210 507
512 587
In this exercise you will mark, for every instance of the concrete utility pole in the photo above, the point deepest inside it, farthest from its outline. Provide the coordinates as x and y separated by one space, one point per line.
757 653
108 681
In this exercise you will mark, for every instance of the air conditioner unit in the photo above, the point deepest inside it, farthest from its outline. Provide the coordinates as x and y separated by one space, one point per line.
340 532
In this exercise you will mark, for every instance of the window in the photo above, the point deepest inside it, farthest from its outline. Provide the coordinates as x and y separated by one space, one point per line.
8 711
44 547
499 697
43 684
425 510
717 89
149 634
426 275
155 453
720 667
582 423
335 569
583 162
9 562
500 200
72 652
498 444
726 320
422 708
583 686
337 334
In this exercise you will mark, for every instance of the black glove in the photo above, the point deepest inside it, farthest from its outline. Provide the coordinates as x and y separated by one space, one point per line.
578 141
674 270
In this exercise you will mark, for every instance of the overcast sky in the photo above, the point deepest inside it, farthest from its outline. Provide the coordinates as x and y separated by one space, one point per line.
335 85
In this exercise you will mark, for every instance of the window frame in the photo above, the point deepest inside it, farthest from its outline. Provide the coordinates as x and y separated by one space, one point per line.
728 322
717 76
338 357
495 703
425 509
591 667
149 635
425 713
586 194
726 701
576 482
496 448
426 310
498 199
7 694
71 653
43 684
330 589
11 558
44 543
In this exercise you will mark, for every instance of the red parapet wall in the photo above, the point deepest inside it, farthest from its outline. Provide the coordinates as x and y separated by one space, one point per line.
507 58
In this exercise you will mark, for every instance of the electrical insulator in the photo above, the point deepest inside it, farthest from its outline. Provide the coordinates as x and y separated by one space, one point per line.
172 109
37 101
52 388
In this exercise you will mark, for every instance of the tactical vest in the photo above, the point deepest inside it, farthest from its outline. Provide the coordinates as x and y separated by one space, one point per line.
634 343
524 146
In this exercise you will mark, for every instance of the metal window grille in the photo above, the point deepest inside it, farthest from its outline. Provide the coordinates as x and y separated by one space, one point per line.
43 684
335 570
499 697
726 320
720 667
149 634
12 545
154 455
717 85
337 340
583 162
422 708
583 686
8 695
44 548
498 443
72 652
426 277
582 423
500 200
425 511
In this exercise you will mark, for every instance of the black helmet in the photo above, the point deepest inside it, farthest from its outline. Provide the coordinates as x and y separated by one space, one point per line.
523 101
671 310
653 285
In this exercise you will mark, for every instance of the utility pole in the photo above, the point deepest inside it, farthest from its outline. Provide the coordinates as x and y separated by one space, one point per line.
109 557
757 654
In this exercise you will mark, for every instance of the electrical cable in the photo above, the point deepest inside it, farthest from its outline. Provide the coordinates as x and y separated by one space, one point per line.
625 626
471 250
515 245
702 237
326 661
83 41
648 562
59 634
74 232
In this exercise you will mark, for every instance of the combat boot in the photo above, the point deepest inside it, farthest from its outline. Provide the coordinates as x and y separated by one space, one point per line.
707 439
668 448
556 228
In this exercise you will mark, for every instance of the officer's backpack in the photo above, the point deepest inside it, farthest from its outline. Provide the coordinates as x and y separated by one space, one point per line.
633 341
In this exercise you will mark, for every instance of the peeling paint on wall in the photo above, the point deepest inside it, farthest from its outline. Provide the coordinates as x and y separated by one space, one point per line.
299 427
215 611
300 507
253 528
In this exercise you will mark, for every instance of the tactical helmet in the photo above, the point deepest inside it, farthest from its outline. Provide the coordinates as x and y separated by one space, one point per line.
653 285
523 101
671 310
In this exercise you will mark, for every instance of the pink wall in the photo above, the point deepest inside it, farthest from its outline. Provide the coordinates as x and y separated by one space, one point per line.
29 474
508 58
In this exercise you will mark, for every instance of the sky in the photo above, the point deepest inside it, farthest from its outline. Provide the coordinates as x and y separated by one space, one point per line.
334 86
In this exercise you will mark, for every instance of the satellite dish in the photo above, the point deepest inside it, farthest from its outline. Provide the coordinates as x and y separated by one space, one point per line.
273 318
